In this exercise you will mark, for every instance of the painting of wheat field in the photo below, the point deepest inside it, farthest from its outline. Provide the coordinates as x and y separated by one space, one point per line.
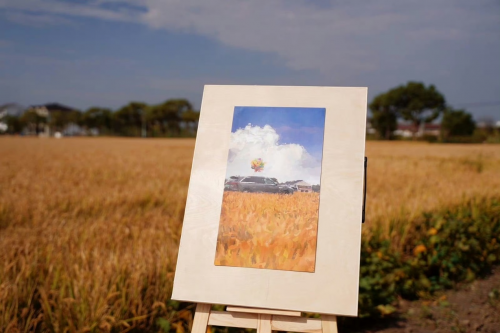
270 206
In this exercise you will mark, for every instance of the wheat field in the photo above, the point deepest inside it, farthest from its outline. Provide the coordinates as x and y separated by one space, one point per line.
89 227
265 230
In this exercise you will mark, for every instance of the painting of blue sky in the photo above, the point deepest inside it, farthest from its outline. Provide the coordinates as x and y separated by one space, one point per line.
289 140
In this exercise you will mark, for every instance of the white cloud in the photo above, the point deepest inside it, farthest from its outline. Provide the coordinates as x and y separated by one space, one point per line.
285 162
337 38
454 44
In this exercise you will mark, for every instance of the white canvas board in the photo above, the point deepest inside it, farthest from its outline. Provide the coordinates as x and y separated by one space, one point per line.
331 287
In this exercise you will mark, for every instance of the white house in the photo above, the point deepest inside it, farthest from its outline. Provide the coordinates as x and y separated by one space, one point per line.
408 130
300 185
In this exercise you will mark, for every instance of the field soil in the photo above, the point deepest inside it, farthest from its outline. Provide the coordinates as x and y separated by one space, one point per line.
471 307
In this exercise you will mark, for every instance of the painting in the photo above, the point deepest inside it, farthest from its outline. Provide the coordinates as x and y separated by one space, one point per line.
269 215
274 206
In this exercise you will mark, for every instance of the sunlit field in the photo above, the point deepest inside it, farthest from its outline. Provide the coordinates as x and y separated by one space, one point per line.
89 228
406 179
264 230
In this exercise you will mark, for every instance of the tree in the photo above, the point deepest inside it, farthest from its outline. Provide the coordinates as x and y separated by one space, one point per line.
384 115
128 120
457 123
14 124
418 103
414 102
190 118
169 115
96 117
164 118
33 120
59 119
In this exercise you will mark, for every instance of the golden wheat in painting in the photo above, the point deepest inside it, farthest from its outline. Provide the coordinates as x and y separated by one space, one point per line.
270 207
268 231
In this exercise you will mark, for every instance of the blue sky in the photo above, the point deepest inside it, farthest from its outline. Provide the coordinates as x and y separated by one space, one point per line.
109 52
303 126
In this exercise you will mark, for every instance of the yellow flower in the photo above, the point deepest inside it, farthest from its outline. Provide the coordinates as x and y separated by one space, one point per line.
419 249
432 231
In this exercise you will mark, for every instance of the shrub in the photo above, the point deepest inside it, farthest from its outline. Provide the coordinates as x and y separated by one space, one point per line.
446 247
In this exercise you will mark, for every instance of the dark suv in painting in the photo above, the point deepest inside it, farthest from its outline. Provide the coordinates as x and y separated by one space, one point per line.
257 184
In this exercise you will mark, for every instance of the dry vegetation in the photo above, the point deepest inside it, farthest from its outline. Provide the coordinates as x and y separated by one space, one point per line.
406 179
273 231
89 228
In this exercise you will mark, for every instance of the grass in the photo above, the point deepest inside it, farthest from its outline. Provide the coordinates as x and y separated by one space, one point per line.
89 231
273 231
89 228
406 179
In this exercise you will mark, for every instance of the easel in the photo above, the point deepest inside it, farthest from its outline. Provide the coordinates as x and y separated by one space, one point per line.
264 320
267 320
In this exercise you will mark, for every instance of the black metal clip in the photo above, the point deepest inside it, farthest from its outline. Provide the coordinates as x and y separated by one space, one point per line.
364 191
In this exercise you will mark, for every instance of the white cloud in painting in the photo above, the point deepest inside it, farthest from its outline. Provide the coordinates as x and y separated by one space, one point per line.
285 162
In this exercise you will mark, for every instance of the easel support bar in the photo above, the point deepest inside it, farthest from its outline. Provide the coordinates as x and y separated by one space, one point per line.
264 311
233 319
263 322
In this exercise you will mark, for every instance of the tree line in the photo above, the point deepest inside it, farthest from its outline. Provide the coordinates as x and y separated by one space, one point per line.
414 103
172 118
418 104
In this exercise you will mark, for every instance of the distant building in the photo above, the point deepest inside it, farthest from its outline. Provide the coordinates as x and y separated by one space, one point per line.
46 110
407 130
369 127
487 124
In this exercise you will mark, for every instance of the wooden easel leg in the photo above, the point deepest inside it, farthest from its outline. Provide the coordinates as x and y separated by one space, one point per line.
329 324
264 323
262 320
201 315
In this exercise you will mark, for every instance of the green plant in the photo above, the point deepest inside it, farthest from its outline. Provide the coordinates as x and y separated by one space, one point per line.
446 247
